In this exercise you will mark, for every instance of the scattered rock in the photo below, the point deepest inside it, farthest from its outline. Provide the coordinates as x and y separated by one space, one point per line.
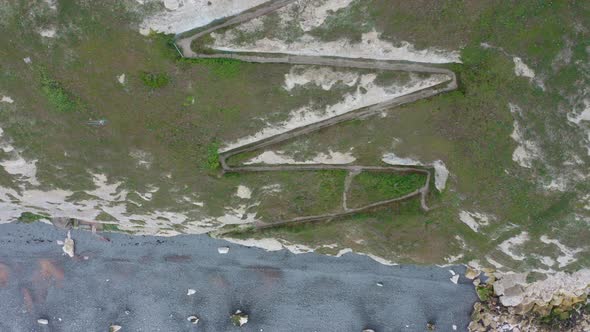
491 315
380 284
193 319
239 318
244 192
471 273
430 326
68 247
190 292
368 330
48 33
115 328
454 327
121 79
27 60
223 250
42 321
6 99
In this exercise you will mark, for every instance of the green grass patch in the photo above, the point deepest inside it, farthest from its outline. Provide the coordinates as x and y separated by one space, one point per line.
484 293
154 80
57 95
110 228
221 67
166 45
29 217
212 160
371 187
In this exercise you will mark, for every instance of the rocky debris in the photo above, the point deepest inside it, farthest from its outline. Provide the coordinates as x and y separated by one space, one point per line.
27 60
69 223
558 290
42 321
511 303
190 292
193 319
121 79
380 284
223 250
368 330
471 273
115 328
454 327
239 318
430 326
68 247
492 316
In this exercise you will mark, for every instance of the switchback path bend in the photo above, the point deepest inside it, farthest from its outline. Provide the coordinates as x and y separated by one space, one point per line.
184 45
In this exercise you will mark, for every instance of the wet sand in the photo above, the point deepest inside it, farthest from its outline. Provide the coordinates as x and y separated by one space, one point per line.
141 283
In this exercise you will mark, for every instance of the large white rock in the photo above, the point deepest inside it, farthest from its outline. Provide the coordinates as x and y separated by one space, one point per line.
68 247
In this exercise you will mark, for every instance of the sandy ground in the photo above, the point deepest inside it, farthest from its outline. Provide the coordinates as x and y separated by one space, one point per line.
141 284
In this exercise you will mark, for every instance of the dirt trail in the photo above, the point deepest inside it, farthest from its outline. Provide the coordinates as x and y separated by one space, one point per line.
184 45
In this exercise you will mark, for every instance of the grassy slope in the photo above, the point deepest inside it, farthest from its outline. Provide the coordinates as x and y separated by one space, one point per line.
371 187
468 129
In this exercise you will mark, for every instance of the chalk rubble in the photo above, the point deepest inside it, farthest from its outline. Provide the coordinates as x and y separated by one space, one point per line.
68 247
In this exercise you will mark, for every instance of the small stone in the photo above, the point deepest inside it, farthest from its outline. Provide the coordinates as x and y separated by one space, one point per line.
471 273
27 60
454 327
239 318
380 284
121 79
42 321
431 326
114 328
193 319
368 330
190 292
223 250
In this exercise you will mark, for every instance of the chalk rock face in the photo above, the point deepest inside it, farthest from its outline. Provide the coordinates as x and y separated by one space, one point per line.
558 289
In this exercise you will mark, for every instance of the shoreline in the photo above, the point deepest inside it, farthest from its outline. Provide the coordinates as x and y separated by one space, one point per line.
279 290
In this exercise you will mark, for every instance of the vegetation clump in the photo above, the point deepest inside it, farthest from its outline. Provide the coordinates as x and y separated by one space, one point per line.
29 217
155 80
223 68
212 160
202 45
484 292
60 98
371 187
